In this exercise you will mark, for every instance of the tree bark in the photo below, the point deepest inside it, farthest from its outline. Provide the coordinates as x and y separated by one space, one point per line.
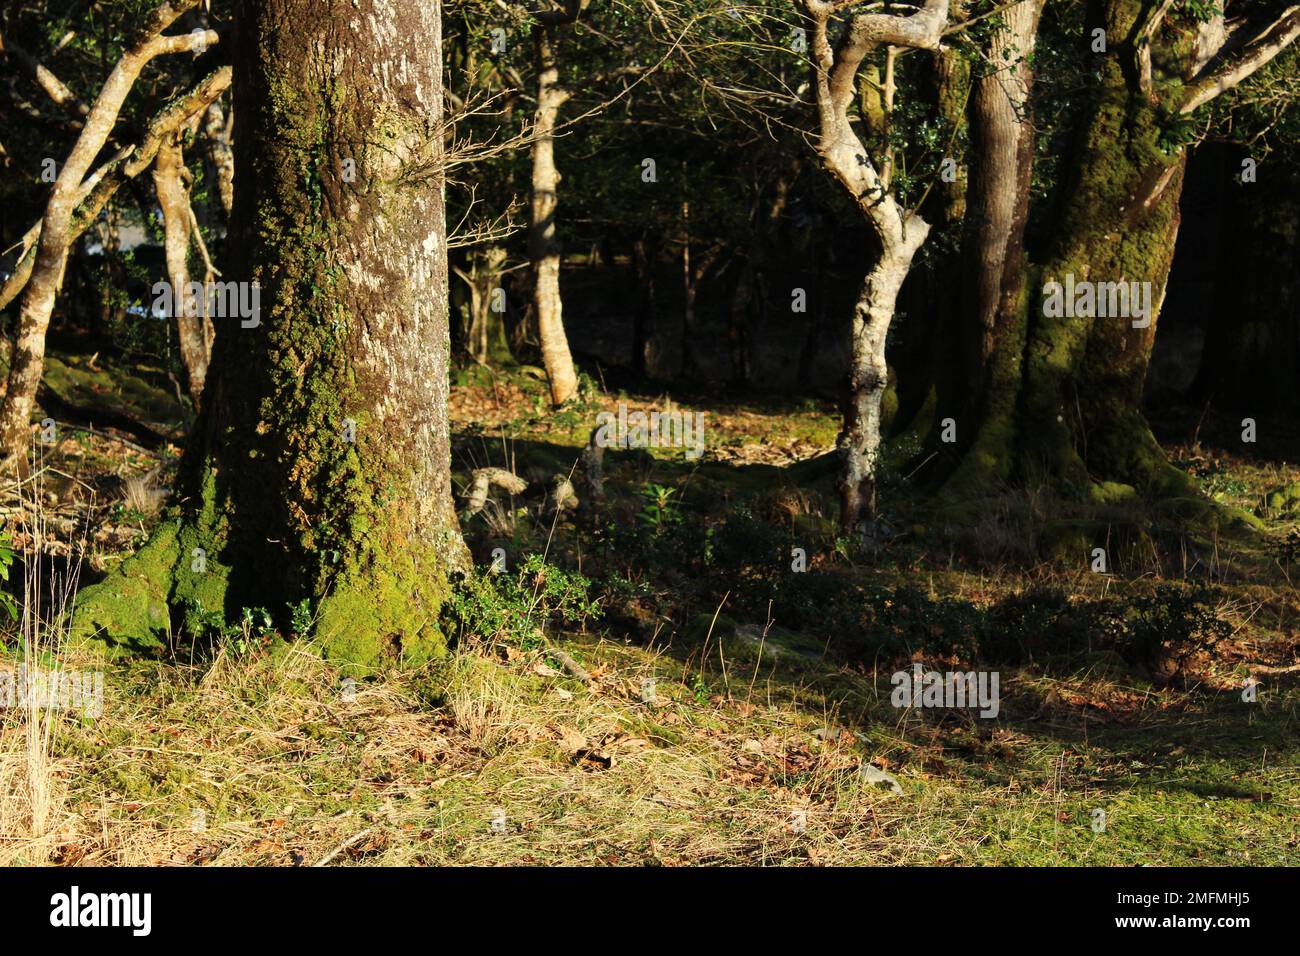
899 231
998 192
319 474
193 326
543 245
1062 393
859 440
994 258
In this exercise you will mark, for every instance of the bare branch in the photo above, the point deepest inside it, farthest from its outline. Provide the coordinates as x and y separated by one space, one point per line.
1146 30
836 143
94 194
55 88
1224 72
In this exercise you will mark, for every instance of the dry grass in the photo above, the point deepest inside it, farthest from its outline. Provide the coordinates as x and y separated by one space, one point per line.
32 788
286 769
142 493
497 757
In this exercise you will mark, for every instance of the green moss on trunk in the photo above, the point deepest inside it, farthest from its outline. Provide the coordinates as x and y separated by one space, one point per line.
131 608
319 470
1062 400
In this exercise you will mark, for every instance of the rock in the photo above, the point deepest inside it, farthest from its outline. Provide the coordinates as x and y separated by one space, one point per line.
779 644
874 776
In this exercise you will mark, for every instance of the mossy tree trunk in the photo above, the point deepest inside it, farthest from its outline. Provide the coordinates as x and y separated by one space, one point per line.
1002 134
319 470
1062 393
931 378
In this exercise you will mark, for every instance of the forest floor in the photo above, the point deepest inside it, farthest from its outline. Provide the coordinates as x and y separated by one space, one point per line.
665 688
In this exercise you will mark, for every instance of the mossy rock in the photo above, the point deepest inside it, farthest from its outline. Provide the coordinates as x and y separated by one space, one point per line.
703 626
1281 502
1112 493
1204 513
130 609
814 529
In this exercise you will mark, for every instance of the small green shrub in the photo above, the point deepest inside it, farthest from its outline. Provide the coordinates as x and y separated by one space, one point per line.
1172 625
519 606
658 510
7 603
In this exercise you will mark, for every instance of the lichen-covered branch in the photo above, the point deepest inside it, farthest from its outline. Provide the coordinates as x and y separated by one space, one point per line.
1228 69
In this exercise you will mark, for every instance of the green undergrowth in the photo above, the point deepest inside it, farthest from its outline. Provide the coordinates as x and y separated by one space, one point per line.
271 756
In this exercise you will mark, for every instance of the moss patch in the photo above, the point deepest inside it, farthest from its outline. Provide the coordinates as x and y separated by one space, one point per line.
381 615
130 609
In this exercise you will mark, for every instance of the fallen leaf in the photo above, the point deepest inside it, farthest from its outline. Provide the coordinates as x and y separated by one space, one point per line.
570 739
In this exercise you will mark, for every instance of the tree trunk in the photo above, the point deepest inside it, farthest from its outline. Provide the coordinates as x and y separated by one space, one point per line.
485 335
543 244
1003 148
859 440
193 327
319 474
900 232
994 266
930 378
1061 393
1083 376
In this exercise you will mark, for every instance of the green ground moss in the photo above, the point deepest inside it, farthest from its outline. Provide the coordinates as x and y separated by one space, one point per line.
129 610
